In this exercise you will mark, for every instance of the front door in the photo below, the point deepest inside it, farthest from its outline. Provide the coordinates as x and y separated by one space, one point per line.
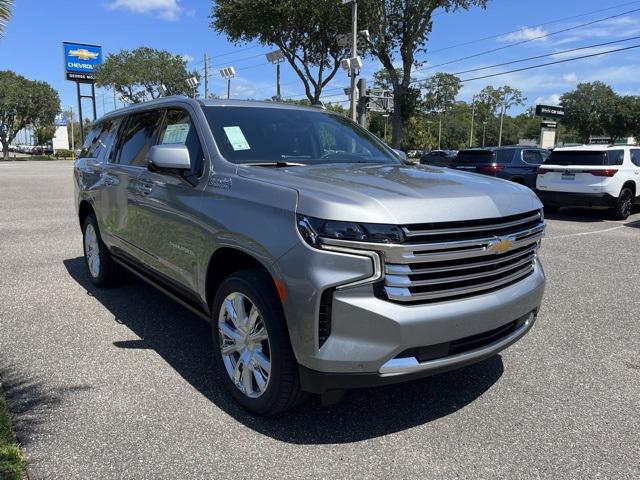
168 229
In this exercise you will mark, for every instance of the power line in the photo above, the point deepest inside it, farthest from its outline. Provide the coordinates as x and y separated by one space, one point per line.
551 63
561 52
557 32
471 42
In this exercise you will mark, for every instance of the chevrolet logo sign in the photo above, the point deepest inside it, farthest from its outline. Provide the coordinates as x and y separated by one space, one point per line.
83 54
501 245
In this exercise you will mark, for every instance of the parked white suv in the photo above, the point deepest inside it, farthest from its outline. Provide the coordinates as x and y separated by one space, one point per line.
594 176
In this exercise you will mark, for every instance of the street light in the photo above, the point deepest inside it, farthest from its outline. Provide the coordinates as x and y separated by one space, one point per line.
276 58
386 120
228 73
473 114
192 83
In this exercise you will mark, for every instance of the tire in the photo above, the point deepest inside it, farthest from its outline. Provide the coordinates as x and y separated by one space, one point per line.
103 271
258 389
551 208
624 206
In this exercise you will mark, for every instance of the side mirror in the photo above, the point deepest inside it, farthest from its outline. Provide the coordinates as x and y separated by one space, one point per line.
169 157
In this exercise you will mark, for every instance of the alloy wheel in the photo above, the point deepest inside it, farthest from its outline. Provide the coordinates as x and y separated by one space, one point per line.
244 344
92 250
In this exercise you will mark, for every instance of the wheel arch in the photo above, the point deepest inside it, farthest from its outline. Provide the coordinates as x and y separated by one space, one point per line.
227 260
631 185
84 210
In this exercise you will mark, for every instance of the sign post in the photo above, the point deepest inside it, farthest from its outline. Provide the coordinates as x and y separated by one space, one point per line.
549 129
80 61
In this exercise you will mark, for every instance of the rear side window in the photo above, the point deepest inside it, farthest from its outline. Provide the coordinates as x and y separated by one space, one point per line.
138 137
504 156
532 156
475 156
100 139
635 156
615 157
578 157
178 128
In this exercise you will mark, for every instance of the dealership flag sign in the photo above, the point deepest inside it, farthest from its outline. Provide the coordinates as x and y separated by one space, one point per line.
80 61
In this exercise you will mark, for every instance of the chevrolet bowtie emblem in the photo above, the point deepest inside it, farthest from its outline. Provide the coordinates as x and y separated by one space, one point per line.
501 245
83 54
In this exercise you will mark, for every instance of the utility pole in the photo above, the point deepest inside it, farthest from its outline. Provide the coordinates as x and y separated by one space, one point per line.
473 114
206 76
73 146
484 131
440 133
352 62
504 105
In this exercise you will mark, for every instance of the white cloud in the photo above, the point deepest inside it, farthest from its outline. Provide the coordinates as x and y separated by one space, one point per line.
553 99
570 77
169 10
525 33
187 58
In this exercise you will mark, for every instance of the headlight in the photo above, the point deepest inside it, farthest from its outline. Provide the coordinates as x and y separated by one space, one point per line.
314 229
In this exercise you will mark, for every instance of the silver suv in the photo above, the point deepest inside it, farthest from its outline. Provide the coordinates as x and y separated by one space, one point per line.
322 260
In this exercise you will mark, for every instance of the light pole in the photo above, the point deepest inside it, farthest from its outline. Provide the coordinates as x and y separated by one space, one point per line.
386 120
228 73
484 131
276 57
504 107
440 132
354 55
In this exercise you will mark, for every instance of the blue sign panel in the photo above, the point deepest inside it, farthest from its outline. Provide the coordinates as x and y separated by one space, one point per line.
80 60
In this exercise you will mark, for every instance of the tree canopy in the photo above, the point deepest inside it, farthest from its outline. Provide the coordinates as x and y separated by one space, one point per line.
306 31
24 103
401 28
139 75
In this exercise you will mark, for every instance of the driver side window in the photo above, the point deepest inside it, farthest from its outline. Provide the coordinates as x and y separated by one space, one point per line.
178 128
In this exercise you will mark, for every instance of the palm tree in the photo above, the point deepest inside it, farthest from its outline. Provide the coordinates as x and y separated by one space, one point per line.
5 13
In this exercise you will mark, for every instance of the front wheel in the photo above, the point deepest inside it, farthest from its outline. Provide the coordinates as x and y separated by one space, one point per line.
251 344
624 206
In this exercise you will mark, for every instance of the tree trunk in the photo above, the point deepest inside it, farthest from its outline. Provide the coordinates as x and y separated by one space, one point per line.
397 123
5 150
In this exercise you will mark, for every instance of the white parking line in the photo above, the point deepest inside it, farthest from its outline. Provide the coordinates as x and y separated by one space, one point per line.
585 233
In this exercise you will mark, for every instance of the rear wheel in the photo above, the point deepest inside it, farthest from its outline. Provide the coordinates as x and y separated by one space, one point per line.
625 205
252 347
102 269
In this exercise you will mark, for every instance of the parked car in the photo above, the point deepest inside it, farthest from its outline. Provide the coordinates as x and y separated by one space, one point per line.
517 164
322 261
439 158
594 176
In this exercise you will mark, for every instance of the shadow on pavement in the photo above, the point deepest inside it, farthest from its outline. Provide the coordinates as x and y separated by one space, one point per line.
184 341
585 215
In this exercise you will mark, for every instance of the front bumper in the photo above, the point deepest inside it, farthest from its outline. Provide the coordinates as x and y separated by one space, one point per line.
571 199
410 368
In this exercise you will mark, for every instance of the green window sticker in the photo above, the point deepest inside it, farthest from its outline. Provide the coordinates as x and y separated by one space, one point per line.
236 138
176 133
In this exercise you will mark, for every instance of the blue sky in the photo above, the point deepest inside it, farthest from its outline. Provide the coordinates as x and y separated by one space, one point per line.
32 44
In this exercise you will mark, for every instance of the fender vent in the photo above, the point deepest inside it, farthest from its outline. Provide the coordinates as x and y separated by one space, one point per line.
324 317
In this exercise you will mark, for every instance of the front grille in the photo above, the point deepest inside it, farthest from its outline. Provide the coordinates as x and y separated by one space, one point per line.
444 261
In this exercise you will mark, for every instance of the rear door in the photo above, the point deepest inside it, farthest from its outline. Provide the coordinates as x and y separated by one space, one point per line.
579 171
125 165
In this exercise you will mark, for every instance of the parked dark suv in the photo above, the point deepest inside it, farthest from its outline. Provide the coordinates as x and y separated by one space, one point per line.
439 158
518 164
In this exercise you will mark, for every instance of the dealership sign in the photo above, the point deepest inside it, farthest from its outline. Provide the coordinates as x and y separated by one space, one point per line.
548 111
80 61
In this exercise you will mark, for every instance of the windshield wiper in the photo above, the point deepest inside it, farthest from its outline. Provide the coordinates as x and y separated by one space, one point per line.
278 164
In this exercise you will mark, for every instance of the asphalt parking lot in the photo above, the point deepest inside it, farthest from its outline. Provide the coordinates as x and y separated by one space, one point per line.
117 383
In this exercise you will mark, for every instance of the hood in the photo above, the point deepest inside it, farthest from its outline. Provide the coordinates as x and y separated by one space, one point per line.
397 194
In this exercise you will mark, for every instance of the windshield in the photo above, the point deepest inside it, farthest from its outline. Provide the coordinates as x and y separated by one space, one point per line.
580 157
271 135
